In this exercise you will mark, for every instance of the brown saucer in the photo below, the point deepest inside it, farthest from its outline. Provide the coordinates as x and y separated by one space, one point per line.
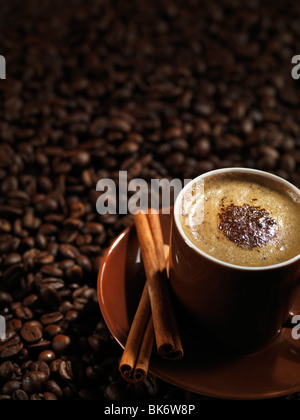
272 372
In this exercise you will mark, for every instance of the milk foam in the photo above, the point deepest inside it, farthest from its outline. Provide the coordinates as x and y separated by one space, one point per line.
281 203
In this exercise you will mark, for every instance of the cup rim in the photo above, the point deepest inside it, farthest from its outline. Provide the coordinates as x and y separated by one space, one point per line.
216 260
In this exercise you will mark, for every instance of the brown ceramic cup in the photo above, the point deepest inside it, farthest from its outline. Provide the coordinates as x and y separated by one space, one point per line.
229 309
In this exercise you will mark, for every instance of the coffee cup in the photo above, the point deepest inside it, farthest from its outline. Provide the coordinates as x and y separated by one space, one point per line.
235 297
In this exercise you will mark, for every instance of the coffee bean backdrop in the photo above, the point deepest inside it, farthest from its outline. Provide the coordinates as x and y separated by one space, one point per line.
159 88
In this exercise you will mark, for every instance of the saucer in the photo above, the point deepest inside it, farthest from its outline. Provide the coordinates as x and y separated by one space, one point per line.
269 373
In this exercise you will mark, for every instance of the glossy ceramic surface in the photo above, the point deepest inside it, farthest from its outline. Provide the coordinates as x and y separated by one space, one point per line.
239 309
271 372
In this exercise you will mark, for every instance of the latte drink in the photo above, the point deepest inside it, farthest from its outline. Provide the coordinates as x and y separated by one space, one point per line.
247 220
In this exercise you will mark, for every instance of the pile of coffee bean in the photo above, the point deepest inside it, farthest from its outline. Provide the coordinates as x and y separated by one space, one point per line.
159 88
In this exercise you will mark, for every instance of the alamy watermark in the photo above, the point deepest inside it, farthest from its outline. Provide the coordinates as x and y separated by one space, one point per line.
2 68
123 197
2 328
296 69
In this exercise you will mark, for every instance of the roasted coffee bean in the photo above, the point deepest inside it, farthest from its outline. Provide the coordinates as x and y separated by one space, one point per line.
75 273
20 395
46 205
50 296
68 251
30 221
26 365
9 184
12 259
47 356
72 316
51 318
44 182
5 299
115 391
8 244
31 334
52 282
14 325
43 258
23 355
93 373
28 243
42 367
48 396
10 346
90 250
52 271
10 211
55 389
60 344
66 371
84 262
5 398
66 264
41 241
65 307
54 366
18 198
13 274
10 387
81 159
93 228
68 236
120 124
77 210
95 343
48 229
32 382
34 324
36 397
288 162
23 313
202 148
7 369
42 345
52 330
31 300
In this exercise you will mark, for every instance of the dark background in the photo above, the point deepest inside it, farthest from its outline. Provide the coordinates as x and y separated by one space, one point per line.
158 88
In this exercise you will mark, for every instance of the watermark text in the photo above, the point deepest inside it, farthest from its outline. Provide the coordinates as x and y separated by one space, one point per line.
296 69
2 68
2 328
129 197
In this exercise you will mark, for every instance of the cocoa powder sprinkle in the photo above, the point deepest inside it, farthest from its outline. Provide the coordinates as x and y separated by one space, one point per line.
247 225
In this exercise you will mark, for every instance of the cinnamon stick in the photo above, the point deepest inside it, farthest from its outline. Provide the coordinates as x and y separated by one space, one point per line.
152 248
158 239
155 316
136 356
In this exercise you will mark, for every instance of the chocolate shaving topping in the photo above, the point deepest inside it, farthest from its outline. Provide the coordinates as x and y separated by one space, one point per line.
248 225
